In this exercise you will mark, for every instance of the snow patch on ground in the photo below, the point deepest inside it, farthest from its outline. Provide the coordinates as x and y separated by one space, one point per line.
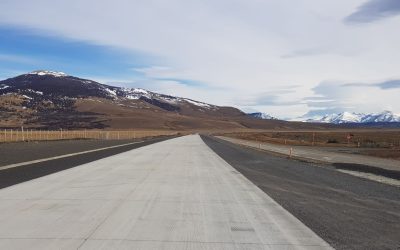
34 91
132 97
27 97
111 92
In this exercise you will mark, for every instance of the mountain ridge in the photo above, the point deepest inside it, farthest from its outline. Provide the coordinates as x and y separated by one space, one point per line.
352 117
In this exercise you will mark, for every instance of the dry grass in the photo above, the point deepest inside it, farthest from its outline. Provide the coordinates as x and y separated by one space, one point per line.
9 135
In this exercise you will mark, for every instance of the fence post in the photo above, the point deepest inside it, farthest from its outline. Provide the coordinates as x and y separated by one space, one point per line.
313 138
23 136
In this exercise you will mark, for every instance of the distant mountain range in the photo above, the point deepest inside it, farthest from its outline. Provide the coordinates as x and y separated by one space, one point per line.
260 115
347 117
49 99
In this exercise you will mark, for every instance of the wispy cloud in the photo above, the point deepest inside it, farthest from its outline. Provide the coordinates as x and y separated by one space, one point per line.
334 97
305 52
275 97
374 10
390 84
19 59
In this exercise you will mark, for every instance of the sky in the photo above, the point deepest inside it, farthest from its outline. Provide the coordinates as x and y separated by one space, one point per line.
286 58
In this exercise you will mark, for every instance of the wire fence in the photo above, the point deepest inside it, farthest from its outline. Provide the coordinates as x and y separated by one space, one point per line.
26 135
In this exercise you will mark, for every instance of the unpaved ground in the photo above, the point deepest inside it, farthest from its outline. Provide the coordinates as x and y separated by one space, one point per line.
320 154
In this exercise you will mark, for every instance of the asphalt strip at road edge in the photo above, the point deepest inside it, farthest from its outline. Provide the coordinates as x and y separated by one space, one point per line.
28 171
63 156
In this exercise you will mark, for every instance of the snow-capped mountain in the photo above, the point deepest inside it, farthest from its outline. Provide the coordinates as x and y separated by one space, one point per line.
260 115
385 116
44 84
348 117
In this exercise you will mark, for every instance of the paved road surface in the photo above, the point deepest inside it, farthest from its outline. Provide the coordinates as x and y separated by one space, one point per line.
15 175
12 153
321 155
347 211
176 194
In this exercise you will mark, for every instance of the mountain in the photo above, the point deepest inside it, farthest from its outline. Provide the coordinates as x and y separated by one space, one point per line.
347 117
260 115
385 116
49 99
49 85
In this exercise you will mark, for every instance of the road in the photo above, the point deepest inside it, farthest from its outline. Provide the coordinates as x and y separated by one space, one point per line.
346 211
12 153
19 153
175 194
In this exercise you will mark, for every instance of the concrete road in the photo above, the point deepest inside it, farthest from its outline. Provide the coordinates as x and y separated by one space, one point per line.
346 211
175 194
17 152
60 155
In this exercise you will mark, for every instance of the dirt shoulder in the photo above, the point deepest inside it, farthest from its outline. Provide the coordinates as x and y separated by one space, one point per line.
385 167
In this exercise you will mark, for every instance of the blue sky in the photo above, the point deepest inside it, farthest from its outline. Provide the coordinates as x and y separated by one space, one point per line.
281 57
23 51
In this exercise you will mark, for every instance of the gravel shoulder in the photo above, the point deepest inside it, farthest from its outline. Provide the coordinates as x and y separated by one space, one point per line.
379 166
346 211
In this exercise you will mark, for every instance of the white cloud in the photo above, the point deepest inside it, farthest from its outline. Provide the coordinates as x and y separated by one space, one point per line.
361 98
247 47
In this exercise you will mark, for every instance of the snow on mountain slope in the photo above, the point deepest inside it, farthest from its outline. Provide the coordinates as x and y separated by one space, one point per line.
48 72
347 117
260 115
385 116
55 85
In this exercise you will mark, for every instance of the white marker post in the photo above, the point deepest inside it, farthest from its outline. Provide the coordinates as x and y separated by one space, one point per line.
313 138
23 136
